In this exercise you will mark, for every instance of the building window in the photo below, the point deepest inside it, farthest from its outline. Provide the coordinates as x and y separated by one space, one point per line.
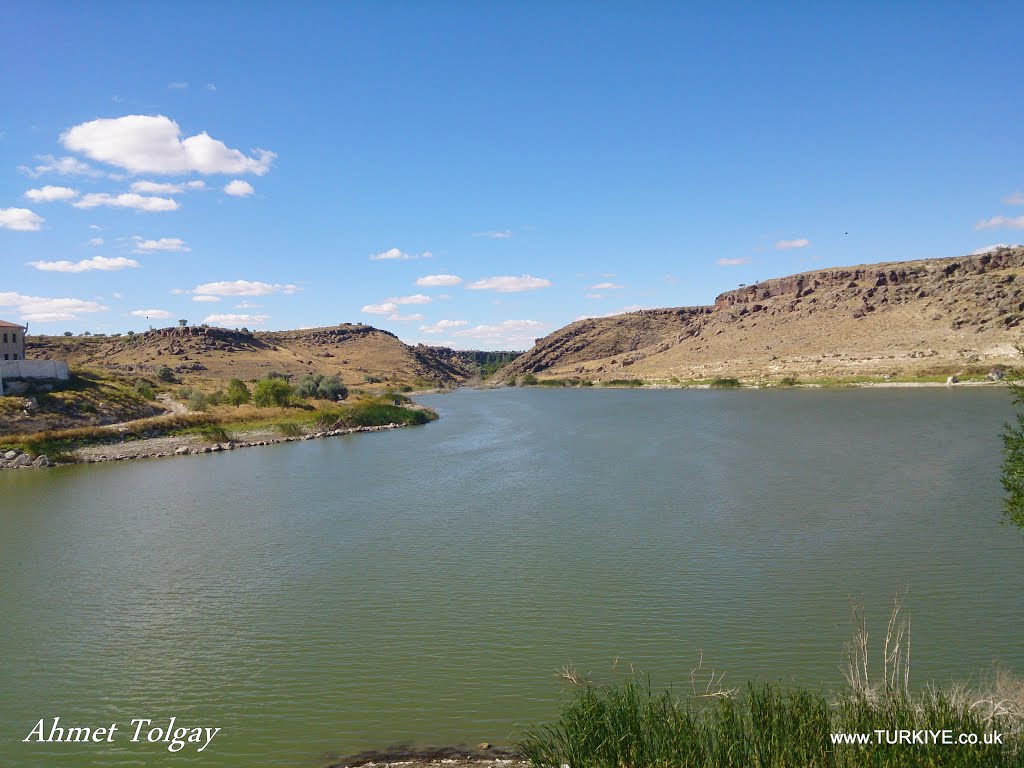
7 357
5 338
15 355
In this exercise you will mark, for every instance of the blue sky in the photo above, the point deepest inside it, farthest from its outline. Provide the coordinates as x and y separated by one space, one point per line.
525 164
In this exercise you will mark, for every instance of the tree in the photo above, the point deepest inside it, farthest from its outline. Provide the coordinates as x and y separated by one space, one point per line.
237 393
323 387
183 323
1013 458
271 392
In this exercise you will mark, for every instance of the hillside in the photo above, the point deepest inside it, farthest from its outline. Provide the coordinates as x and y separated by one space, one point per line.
211 356
913 318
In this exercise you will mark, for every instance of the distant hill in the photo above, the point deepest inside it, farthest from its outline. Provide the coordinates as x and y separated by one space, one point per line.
912 318
197 355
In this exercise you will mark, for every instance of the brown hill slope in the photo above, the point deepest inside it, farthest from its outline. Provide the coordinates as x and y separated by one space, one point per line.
909 318
197 355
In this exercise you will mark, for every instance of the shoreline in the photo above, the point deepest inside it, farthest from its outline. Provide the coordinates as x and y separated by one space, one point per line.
167 446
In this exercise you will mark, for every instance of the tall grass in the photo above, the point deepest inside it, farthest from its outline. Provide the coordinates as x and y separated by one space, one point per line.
629 725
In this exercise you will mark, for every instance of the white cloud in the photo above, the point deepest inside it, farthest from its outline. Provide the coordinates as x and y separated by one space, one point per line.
211 87
152 314
785 245
95 264
443 325
393 254
495 234
64 166
95 227
127 200
244 288
387 308
989 248
234 320
45 310
731 262
416 298
434 281
96 241
1010 222
238 188
153 144
1017 198
20 220
247 305
400 318
174 244
605 287
177 86
160 188
593 296
206 298
510 332
509 284
623 311
49 194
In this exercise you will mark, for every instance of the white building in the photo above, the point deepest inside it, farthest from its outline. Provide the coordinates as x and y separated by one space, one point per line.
12 341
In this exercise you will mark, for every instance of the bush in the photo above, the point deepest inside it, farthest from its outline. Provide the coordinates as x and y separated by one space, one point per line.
725 383
237 393
317 385
289 429
529 380
789 381
197 401
272 392
144 389
165 374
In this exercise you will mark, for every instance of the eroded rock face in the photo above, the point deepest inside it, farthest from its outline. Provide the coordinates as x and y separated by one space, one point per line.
840 321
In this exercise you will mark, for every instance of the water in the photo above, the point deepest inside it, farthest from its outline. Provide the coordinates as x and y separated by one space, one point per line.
422 585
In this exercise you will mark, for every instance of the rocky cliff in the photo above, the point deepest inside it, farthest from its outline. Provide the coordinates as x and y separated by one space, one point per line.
904 318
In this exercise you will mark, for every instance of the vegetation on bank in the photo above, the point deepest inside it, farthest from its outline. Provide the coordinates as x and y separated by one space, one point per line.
771 725
729 382
220 423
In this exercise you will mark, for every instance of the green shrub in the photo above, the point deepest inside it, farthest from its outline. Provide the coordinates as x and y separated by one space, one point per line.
789 381
624 383
272 392
725 383
237 393
323 387
145 390
165 374
529 380
289 429
197 401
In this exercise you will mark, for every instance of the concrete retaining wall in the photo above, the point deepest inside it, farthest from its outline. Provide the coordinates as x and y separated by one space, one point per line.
32 369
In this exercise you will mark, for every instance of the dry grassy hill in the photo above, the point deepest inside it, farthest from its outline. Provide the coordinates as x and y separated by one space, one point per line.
211 356
913 318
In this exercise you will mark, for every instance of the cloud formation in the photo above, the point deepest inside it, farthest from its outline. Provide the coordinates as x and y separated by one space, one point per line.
1017 198
173 244
785 245
244 288
152 314
238 188
95 264
436 281
443 325
731 262
495 234
63 166
207 299
416 298
160 188
235 320
393 254
153 144
510 332
44 310
509 284
127 200
997 222
49 194
605 287
20 220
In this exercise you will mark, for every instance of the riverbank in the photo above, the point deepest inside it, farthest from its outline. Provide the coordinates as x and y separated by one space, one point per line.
194 433
485 756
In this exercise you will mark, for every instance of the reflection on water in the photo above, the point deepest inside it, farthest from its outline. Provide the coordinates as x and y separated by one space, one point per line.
421 585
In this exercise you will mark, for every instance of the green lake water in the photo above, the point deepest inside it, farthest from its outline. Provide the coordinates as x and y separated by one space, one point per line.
422 585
